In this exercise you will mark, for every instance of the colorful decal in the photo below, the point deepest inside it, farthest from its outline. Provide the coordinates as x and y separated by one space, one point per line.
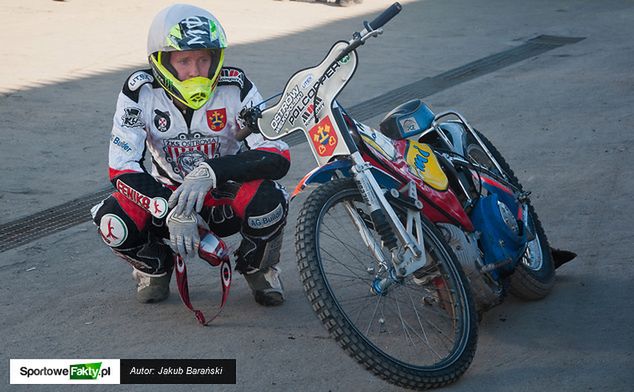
378 142
290 100
228 75
185 151
159 207
217 119
156 206
409 124
423 164
308 116
268 219
194 32
296 103
309 78
162 120
132 118
323 137
113 230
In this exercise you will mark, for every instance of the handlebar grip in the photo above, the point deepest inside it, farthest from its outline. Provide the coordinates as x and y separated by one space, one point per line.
385 17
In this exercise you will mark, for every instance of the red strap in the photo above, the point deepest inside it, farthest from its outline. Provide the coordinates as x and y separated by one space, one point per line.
183 287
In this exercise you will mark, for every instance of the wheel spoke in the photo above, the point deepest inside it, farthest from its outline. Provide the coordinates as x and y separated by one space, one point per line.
412 324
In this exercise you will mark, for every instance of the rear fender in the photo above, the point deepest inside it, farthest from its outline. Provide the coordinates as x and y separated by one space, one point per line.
338 168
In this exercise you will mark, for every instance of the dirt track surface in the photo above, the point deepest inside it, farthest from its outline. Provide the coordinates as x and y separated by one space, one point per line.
562 119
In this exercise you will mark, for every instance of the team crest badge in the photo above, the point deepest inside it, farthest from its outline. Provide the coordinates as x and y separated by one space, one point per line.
217 119
323 137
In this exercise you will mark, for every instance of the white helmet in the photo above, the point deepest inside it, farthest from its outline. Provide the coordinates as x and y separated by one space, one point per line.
182 27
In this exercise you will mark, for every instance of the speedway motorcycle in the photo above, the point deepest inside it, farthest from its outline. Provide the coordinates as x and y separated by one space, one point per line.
411 231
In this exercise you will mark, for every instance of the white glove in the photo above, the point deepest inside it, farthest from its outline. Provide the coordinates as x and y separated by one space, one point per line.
184 235
193 190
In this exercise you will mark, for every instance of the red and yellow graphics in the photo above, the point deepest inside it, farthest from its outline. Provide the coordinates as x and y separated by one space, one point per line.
324 137
422 163
217 119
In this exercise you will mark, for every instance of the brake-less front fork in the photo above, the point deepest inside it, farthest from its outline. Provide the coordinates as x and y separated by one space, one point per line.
406 244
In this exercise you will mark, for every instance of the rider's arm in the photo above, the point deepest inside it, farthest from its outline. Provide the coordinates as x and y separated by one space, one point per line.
127 148
263 159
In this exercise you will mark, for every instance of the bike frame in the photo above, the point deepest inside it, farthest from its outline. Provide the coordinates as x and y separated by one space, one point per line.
330 138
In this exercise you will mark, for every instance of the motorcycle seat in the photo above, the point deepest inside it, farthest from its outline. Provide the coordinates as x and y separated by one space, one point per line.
406 120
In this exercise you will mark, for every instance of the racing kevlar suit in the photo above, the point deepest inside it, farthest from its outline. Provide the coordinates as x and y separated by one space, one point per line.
246 199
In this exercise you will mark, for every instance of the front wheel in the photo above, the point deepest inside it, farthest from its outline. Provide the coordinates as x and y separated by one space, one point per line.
534 276
422 331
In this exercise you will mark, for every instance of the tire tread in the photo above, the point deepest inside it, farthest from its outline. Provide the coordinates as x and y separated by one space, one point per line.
336 324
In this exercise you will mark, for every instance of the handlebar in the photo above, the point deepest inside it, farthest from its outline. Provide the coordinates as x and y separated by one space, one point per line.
371 29
251 115
385 17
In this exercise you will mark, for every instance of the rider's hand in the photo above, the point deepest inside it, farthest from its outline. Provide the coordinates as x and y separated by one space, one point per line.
193 190
184 235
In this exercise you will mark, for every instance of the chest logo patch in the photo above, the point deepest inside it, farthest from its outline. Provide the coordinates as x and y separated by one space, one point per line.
162 120
217 119
185 152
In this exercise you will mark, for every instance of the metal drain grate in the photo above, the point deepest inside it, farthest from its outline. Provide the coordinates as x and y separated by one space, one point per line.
483 66
49 221
24 230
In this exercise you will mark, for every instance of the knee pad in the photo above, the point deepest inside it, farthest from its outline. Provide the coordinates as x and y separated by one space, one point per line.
115 227
265 214
142 249
255 254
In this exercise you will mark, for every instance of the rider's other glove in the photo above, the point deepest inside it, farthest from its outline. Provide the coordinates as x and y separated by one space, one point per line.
184 235
193 190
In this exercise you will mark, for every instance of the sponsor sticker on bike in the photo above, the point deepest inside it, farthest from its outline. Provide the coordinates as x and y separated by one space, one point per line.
422 163
323 137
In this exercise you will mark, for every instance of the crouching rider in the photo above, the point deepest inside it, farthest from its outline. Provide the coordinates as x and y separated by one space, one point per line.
205 167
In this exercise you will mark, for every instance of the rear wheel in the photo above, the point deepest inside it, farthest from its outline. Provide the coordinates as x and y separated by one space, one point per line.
534 276
421 332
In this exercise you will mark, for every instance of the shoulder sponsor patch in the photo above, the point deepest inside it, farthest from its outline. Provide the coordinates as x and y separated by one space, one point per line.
138 79
132 118
231 76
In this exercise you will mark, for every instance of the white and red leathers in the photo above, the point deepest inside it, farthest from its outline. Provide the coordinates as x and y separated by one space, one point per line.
148 125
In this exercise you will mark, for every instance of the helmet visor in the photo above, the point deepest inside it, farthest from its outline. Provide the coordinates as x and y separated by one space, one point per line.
193 92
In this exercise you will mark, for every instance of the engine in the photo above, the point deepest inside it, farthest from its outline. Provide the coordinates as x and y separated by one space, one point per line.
487 293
